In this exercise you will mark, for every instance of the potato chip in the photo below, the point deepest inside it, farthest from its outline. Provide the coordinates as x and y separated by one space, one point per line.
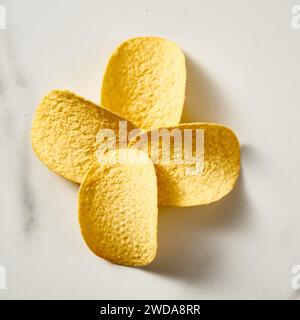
64 132
145 82
189 182
118 209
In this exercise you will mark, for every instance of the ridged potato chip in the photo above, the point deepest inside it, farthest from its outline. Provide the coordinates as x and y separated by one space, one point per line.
184 184
145 82
64 132
118 209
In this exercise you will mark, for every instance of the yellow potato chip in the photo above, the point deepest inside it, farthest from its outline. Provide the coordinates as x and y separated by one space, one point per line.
145 82
64 132
118 209
202 168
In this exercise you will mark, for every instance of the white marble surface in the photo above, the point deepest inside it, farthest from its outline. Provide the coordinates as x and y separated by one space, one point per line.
243 71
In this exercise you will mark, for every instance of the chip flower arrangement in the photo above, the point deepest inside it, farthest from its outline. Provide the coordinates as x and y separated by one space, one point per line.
144 87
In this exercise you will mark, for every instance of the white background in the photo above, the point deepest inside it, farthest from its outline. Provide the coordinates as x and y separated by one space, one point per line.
243 60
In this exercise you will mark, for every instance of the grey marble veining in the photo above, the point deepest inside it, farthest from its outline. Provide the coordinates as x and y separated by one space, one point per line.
14 127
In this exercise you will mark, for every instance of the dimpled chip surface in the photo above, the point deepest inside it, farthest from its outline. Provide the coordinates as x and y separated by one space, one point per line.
64 132
145 82
118 211
178 187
